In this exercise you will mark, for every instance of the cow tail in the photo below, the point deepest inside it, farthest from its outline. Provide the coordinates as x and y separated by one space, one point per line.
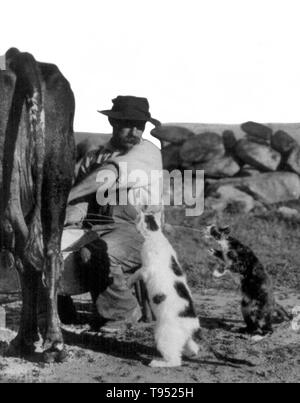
34 246
26 69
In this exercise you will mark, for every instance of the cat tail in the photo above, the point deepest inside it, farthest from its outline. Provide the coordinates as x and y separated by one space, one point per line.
234 362
280 314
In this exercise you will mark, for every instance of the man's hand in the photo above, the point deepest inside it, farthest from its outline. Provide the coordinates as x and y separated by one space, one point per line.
74 215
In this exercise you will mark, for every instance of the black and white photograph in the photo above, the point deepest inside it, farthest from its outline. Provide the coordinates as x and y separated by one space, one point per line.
150 194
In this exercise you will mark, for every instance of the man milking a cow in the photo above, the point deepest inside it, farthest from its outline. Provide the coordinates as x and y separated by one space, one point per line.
115 252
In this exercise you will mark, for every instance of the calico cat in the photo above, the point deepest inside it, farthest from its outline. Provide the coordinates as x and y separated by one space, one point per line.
177 323
259 308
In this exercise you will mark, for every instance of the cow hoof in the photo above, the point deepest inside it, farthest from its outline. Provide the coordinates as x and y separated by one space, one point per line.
19 348
55 354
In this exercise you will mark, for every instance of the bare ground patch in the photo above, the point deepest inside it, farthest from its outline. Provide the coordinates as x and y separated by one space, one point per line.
97 358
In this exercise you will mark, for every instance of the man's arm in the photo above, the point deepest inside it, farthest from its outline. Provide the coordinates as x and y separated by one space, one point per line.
135 277
91 183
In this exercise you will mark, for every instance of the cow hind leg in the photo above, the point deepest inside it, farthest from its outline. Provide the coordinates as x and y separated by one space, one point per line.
28 337
54 202
53 219
15 234
53 343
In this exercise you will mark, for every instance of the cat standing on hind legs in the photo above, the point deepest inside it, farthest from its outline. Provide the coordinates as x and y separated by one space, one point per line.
258 305
170 298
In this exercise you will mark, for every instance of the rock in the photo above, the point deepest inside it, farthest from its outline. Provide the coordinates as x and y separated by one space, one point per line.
171 157
274 187
288 212
203 147
248 170
235 198
164 144
283 142
220 167
258 140
268 188
257 132
292 162
259 156
172 134
229 140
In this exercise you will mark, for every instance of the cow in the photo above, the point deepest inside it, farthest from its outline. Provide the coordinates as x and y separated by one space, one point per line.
37 161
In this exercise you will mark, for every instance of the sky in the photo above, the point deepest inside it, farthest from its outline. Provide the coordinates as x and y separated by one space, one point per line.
208 61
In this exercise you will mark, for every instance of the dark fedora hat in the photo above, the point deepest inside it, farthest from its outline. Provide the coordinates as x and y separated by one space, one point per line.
130 108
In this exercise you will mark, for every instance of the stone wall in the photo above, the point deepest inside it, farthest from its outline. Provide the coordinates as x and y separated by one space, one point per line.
247 164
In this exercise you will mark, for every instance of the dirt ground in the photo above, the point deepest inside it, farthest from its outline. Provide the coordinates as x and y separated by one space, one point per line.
95 358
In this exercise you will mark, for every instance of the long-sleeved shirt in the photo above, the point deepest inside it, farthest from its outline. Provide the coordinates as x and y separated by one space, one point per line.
139 178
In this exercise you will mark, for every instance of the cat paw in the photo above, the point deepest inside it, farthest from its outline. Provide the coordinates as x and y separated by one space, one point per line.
164 364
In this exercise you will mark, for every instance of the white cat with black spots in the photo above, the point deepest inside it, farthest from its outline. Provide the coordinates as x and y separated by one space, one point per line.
170 297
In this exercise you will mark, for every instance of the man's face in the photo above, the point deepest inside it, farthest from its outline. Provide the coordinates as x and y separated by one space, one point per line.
127 133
